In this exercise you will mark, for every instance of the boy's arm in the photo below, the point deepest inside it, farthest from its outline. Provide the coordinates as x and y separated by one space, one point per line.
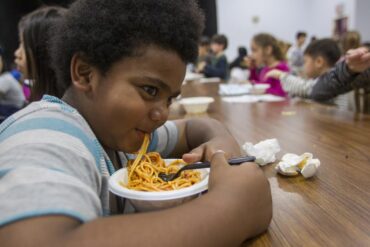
358 60
344 76
297 86
237 206
293 85
200 138
331 84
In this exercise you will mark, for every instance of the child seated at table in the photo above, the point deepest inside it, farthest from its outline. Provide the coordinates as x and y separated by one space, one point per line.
352 72
319 57
204 53
121 62
267 54
11 94
217 66
32 56
295 54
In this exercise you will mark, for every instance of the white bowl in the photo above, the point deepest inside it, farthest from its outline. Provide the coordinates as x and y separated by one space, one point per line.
259 88
196 105
149 201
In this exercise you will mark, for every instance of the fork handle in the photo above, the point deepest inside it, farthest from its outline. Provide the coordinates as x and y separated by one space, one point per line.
207 164
239 160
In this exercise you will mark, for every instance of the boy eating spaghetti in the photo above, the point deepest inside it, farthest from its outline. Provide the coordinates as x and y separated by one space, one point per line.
120 62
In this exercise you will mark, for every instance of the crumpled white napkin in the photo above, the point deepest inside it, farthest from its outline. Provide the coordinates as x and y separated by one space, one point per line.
264 151
292 165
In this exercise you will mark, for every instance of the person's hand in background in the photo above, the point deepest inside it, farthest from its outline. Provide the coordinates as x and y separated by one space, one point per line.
275 73
358 60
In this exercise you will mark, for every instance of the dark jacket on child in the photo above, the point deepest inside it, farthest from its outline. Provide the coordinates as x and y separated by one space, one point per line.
218 67
339 81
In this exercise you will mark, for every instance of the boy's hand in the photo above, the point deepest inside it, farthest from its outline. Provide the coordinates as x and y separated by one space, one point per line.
243 187
358 60
206 150
249 62
275 73
200 138
201 67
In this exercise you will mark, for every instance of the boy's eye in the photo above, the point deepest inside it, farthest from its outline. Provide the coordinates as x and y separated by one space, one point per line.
170 100
152 91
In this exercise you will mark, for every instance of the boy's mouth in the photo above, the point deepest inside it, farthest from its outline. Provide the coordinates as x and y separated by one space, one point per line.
141 133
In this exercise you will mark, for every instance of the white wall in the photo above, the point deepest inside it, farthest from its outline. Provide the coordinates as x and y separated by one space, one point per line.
362 22
323 14
282 18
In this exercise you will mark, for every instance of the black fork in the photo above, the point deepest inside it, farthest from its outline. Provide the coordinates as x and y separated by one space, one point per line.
201 165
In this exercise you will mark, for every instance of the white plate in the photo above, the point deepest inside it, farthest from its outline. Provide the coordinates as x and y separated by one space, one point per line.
119 190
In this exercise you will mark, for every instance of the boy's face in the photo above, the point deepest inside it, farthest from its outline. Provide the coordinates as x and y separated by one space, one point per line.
217 48
312 66
203 50
133 98
301 40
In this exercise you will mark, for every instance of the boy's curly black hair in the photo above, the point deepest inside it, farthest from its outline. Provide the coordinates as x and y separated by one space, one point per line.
105 31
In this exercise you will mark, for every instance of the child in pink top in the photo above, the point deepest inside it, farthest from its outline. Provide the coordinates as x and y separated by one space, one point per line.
266 52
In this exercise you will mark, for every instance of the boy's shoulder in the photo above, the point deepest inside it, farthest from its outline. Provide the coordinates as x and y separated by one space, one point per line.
51 123
48 106
49 113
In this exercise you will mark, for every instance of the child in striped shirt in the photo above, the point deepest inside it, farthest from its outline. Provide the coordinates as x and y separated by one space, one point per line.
119 63
319 57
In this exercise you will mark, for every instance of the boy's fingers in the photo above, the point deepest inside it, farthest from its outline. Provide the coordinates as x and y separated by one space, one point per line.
219 159
194 155
366 57
357 54
191 157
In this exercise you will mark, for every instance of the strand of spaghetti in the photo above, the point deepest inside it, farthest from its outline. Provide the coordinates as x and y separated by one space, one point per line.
142 151
144 171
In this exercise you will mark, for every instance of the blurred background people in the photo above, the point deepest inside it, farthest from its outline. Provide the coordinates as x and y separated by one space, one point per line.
204 53
239 62
320 57
295 54
32 56
267 54
218 65
11 94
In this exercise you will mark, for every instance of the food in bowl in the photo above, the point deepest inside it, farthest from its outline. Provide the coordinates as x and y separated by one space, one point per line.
144 176
143 188
156 200
196 105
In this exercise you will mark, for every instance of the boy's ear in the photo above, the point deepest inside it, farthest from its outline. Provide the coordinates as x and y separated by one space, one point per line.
81 73
320 62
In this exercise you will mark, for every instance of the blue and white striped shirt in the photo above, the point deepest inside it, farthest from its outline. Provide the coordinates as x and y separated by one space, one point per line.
51 163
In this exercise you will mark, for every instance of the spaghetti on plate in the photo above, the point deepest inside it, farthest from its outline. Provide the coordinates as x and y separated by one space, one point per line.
143 172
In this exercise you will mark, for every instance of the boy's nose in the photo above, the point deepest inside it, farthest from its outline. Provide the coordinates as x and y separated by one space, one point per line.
159 114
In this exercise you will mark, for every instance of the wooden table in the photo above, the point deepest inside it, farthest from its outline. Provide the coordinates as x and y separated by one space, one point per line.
330 209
